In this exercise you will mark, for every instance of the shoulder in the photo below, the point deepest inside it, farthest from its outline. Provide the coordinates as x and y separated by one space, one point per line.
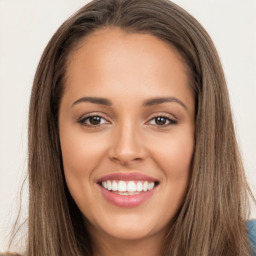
251 226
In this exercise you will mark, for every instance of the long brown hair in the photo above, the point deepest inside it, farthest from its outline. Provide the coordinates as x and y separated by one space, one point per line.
211 220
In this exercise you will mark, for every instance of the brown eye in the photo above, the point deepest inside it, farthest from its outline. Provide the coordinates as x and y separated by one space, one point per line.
162 121
93 121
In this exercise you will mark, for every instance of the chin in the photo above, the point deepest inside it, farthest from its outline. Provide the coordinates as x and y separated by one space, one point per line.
130 232
127 227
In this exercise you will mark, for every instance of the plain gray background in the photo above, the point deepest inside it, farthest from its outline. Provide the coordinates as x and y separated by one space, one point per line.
25 28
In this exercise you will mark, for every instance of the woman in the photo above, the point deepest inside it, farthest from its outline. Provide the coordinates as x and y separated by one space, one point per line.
132 148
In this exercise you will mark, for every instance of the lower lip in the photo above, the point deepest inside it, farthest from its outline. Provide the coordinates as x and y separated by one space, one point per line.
127 200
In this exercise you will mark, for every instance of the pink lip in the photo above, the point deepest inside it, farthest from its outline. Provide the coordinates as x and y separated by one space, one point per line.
126 200
127 176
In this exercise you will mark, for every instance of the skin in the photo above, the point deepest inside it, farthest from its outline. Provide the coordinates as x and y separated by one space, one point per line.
127 69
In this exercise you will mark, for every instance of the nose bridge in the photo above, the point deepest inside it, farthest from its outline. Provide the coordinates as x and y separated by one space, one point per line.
127 144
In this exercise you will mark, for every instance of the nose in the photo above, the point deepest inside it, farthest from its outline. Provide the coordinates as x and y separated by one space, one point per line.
127 145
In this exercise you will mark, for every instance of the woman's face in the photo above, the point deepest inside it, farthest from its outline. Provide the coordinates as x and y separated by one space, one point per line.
127 133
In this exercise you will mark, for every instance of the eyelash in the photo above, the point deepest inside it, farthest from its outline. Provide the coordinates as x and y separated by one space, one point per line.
83 120
167 118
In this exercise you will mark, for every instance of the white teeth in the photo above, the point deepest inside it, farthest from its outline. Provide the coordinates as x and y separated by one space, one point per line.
105 184
121 186
127 193
139 186
150 185
114 186
145 186
131 186
128 187
109 184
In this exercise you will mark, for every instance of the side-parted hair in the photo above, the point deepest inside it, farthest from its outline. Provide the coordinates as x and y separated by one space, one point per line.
212 218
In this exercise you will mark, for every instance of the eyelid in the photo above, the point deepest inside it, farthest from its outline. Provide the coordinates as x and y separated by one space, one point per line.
92 114
164 114
172 119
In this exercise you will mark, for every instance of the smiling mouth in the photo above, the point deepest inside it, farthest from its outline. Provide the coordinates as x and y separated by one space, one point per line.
122 187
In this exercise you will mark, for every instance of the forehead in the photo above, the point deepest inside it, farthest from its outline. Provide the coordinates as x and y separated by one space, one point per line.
112 61
117 46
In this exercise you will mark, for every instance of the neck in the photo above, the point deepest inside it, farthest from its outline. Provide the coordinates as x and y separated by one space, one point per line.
106 245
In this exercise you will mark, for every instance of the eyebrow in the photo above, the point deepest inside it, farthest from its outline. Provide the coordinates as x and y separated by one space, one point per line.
95 100
156 101
149 102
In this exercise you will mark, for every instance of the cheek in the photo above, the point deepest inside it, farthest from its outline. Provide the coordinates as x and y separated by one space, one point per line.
81 152
174 153
174 157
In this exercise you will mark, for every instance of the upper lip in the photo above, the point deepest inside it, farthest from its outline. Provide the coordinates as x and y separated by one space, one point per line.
127 177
